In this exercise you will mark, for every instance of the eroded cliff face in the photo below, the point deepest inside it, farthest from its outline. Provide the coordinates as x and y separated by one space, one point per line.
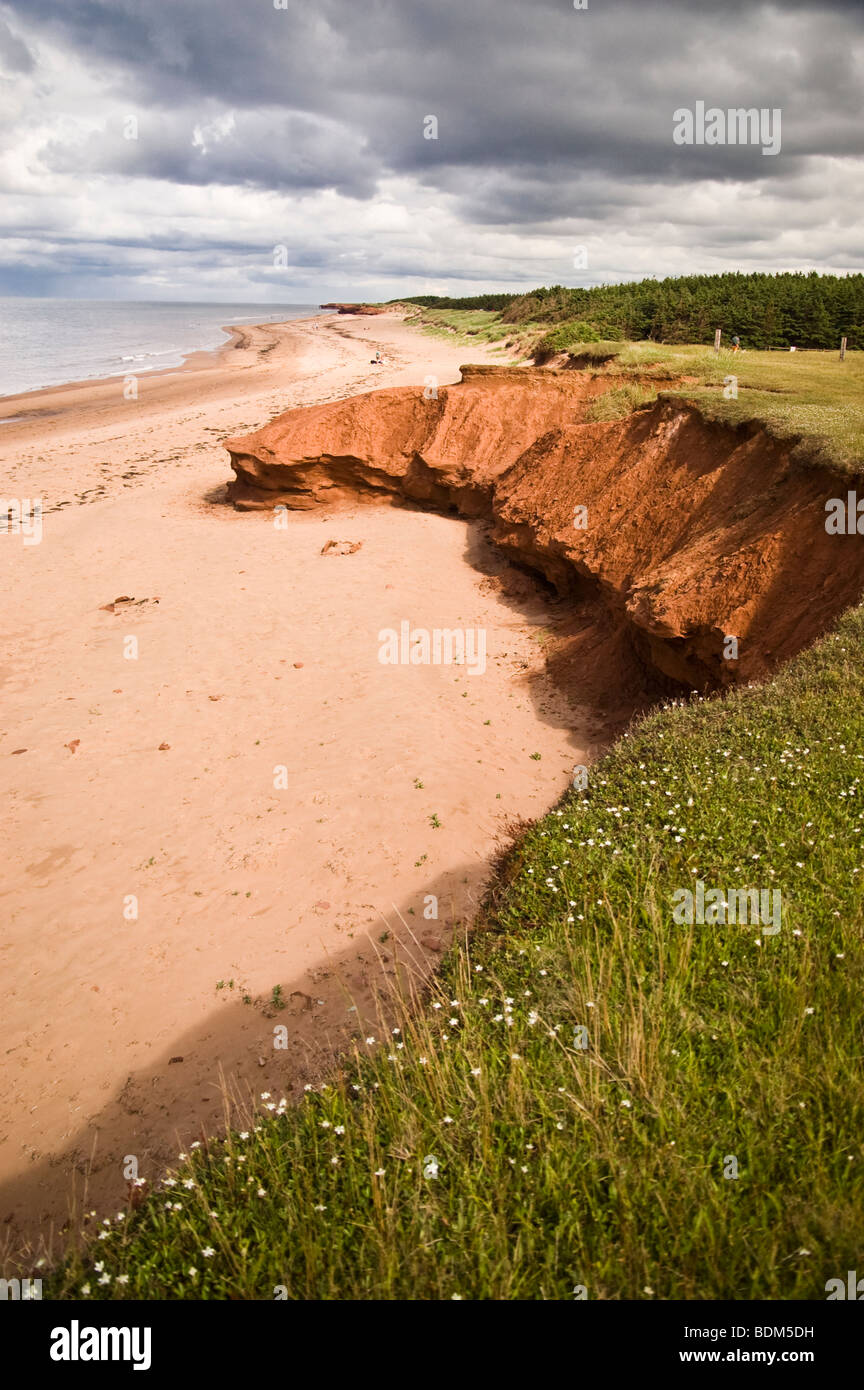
686 533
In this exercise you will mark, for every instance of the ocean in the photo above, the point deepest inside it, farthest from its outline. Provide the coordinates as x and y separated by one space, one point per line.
45 342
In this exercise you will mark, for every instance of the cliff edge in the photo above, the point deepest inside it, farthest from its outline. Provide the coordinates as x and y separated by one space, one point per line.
687 533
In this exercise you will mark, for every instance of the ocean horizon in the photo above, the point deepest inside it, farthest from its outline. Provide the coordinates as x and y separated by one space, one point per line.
48 342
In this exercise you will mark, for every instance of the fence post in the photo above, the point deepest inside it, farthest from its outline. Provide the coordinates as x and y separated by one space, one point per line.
717 333
842 349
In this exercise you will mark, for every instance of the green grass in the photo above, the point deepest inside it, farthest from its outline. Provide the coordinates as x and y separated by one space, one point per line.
482 1153
810 398
619 402
465 325
818 403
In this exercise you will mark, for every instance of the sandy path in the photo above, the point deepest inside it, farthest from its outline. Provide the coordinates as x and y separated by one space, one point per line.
261 653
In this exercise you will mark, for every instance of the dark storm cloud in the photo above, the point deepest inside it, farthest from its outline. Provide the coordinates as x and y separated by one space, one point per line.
549 119
264 149
517 88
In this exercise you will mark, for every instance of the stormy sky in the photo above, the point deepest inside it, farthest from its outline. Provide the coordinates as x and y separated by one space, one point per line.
233 150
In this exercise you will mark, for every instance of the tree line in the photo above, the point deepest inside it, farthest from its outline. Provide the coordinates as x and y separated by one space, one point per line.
790 309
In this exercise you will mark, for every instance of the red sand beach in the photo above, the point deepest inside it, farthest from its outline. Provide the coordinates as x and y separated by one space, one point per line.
216 779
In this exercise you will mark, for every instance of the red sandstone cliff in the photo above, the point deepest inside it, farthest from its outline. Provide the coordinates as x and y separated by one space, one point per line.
695 532
354 308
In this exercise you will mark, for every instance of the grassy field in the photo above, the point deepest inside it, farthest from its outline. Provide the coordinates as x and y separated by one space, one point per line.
592 1096
810 397
467 326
